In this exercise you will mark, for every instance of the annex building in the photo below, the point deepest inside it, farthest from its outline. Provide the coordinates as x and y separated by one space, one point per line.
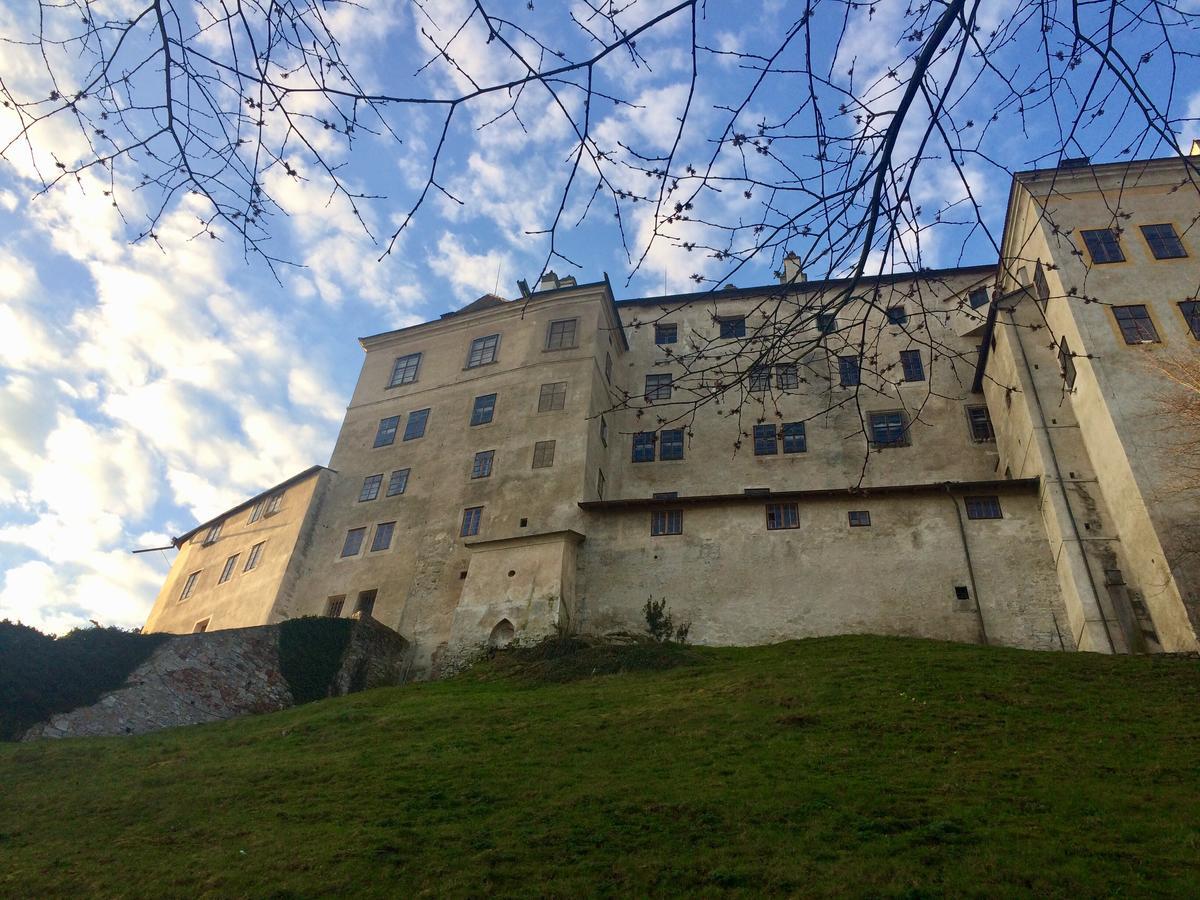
977 454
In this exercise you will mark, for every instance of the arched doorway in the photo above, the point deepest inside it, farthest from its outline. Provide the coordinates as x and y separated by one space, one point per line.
502 635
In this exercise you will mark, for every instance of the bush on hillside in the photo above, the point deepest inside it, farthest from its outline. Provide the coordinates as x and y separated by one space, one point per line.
564 657
661 625
310 654
41 674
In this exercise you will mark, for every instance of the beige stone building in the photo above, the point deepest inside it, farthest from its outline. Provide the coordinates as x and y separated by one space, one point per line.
961 454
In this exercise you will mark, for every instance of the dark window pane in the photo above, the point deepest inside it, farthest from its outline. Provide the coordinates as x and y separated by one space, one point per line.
1164 242
888 429
826 323
671 444
1103 245
981 423
483 410
782 515
643 446
387 431
983 508
483 350
470 522
910 361
552 397
978 297
760 377
482 466
897 315
732 327
666 521
370 487
398 483
383 536
543 454
786 377
354 541
1191 315
1066 361
794 438
766 440
1136 325
848 370
859 518
666 333
1041 287
415 427
404 371
658 387
561 334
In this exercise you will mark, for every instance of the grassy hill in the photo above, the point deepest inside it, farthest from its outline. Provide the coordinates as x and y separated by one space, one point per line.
857 765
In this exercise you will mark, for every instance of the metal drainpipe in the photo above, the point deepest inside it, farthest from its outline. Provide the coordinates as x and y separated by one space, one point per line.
1037 401
962 531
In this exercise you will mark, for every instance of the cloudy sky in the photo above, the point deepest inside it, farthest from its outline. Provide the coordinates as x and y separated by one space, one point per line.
147 385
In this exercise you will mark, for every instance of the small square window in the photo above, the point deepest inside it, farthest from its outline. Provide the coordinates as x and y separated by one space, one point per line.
794 438
1135 324
981 424
552 397
543 454
398 482
189 586
978 297
666 333
366 602
1104 245
897 315
643 446
782 515
961 592
482 466
370 488
383 536
766 440
1164 242
983 508
1066 362
658 387
666 521
561 334
483 351
848 371
888 429
671 444
1191 315
254 556
415 427
386 434
483 410
786 377
910 362
860 518
227 572
732 326
404 370
333 606
470 522
826 323
760 377
354 541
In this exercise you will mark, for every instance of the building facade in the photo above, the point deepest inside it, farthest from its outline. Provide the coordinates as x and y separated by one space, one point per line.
909 454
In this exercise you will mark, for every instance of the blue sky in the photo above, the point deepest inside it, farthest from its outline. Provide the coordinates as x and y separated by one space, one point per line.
148 386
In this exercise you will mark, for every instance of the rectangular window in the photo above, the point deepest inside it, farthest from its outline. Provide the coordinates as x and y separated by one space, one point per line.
1066 361
254 556
666 521
1104 245
470 522
826 323
608 367
366 602
786 377
483 410
666 333
732 326
670 444
978 297
910 362
189 585
370 487
783 515
201 626
794 438
1164 242
1191 315
552 397
386 434
354 541
398 482
482 466
603 431
1136 325
415 427
897 315
643 446
256 513
860 518
888 429
981 424
1041 287
543 454
600 483
383 536
561 334
983 508
483 351
658 387
404 370
848 370
760 377
333 606
214 532
766 440
273 503
666 495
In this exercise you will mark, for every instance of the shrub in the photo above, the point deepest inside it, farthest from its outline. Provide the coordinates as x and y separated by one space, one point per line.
660 624
310 654
41 674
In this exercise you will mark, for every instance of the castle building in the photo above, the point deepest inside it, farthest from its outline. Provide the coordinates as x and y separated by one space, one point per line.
967 454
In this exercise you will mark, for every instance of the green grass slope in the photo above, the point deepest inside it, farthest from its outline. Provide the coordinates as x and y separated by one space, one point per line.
855 765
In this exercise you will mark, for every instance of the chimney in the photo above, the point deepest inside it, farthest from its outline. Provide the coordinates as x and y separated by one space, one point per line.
792 271
549 282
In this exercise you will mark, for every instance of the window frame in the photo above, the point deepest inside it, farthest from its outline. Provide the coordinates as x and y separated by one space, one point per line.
189 585
334 606
731 327
396 475
360 534
782 515
896 315
471 521
1174 236
413 423
608 366
385 435
1100 243
976 292
274 502
481 467
671 438
827 322
555 342
990 435
1066 363
905 439
543 454
254 557
796 429
600 483
257 512
661 389
1191 318
371 487
849 371
662 329
379 529
787 376
643 441
478 410
1139 323
859 518
911 373
212 535
480 348
766 436
983 506
603 431
666 522
403 362
548 398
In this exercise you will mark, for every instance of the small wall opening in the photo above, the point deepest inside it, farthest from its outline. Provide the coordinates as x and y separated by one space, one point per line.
502 635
